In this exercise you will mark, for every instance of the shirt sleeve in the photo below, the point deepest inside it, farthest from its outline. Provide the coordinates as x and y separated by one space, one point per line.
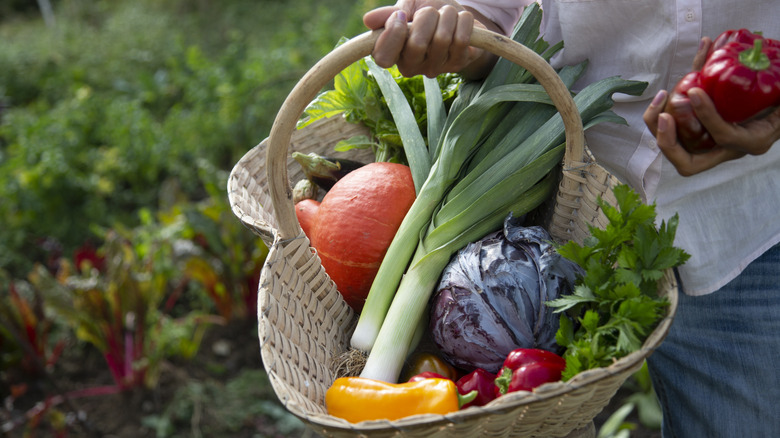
504 13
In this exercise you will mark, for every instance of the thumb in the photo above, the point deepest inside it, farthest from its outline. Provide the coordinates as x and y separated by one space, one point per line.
376 18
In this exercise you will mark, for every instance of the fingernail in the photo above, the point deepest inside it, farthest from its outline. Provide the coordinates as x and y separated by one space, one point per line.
659 98
701 43
401 16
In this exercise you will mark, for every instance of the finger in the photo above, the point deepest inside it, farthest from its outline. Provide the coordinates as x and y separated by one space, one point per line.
705 107
754 137
701 54
438 52
653 110
770 126
757 136
390 42
460 53
407 6
421 33
688 164
728 135
666 138
376 18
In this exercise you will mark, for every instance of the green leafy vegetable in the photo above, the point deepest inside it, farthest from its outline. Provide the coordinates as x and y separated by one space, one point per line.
616 299
357 96
415 148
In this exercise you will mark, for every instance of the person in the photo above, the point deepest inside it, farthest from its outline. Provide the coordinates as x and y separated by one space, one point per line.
716 373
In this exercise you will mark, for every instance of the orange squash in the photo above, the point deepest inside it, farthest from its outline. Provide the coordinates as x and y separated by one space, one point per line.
356 222
306 212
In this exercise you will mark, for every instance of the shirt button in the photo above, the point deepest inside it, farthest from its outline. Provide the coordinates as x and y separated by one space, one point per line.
690 15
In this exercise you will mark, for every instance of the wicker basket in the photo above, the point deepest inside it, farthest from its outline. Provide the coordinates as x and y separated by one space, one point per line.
304 323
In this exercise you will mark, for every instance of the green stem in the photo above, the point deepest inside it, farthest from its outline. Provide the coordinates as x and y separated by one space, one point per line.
467 398
755 58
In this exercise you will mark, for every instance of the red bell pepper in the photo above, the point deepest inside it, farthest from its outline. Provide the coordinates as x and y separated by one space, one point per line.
690 132
481 381
743 79
741 36
526 368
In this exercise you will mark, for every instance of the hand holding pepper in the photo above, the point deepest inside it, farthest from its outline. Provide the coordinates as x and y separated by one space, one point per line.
727 141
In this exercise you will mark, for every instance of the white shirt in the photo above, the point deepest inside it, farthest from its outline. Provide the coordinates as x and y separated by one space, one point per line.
729 215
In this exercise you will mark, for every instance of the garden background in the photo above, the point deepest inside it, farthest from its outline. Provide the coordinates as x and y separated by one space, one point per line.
127 286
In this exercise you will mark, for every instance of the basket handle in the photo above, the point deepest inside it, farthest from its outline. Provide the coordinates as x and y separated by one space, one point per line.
355 49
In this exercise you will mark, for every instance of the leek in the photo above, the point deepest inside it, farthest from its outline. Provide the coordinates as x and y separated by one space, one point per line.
436 112
414 144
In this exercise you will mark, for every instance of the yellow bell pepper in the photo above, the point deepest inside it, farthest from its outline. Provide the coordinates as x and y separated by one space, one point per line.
357 399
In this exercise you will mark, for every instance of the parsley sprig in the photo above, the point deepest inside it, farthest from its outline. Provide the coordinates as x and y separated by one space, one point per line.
615 304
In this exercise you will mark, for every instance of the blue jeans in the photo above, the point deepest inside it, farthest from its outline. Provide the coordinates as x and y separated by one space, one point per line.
717 374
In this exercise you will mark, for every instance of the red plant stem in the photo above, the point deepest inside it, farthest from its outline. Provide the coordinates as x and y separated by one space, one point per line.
115 360
56 353
176 293
28 320
128 352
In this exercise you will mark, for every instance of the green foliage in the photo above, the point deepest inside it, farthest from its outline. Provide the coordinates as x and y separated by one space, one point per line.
224 409
642 400
125 97
616 300
29 336
219 257
357 96
118 127
152 290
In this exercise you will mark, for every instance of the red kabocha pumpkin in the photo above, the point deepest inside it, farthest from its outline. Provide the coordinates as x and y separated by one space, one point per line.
356 222
306 212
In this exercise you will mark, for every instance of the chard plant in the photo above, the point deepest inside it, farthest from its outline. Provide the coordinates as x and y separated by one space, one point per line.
118 311
226 258
26 339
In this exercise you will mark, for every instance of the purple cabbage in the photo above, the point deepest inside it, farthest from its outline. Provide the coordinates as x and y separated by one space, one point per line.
490 299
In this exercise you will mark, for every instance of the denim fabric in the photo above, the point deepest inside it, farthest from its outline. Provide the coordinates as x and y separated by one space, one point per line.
717 374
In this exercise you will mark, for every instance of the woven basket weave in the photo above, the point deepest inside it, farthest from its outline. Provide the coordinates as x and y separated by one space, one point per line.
303 321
